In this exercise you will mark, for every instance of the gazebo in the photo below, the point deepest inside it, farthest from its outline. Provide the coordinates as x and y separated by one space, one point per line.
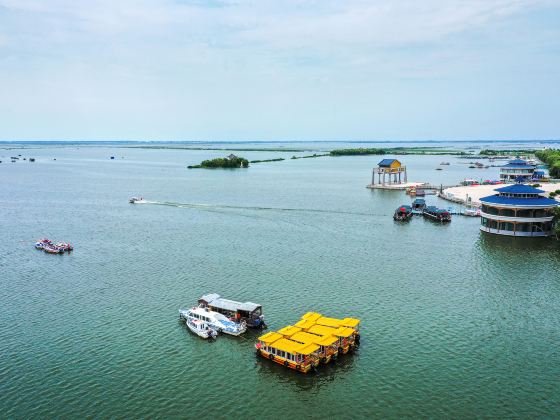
389 171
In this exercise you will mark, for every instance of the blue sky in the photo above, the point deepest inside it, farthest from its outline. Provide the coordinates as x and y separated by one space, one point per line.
279 70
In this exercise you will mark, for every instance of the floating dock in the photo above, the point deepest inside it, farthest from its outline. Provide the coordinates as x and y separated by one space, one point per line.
389 186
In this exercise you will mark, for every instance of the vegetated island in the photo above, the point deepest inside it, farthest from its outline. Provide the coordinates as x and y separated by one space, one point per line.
267 160
506 152
397 151
314 155
231 161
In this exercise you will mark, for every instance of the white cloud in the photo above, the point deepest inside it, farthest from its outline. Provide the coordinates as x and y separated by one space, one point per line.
163 59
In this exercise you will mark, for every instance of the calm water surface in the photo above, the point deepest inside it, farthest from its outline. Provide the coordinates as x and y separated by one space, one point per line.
454 323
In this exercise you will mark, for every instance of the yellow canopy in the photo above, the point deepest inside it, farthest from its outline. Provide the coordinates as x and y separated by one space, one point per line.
337 332
270 337
305 324
329 322
289 331
293 347
335 322
320 340
350 322
311 316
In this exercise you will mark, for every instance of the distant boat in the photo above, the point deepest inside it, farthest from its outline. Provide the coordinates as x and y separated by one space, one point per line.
418 204
439 215
444 163
439 169
403 213
112 157
133 200
215 320
471 212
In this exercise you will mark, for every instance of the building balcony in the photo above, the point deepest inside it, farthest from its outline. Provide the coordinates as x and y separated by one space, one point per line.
512 233
516 219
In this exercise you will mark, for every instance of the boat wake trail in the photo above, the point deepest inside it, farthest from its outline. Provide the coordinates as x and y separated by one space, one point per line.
255 208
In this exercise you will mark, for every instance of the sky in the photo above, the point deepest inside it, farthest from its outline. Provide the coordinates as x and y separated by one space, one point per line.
276 70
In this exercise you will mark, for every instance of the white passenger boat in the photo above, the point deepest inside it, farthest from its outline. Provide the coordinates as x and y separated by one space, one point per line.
200 328
215 320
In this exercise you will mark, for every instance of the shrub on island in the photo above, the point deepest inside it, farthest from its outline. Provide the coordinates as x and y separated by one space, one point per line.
231 161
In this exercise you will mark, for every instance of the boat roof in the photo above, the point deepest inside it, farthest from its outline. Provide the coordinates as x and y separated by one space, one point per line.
294 347
337 332
289 330
312 316
214 299
321 340
270 337
419 200
305 323
329 322
350 322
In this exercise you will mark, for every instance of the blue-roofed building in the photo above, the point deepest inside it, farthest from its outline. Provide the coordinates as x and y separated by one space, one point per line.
515 170
389 171
517 210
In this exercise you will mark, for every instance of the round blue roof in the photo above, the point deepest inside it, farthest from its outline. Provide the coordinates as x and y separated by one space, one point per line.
524 202
519 189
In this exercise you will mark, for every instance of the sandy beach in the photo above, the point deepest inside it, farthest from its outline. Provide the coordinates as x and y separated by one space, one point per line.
474 193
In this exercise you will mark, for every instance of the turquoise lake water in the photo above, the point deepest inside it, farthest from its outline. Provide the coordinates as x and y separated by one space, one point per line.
455 323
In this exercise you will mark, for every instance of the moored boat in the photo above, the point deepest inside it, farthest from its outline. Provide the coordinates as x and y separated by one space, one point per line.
215 320
200 328
248 312
402 213
439 215
472 212
327 344
288 353
418 204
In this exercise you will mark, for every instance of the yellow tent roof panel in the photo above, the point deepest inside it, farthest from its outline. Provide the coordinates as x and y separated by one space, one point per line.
289 330
305 324
270 337
304 337
322 330
311 316
350 322
306 349
293 347
329 322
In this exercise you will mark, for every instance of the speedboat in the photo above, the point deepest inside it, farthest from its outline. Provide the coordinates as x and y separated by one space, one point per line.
200 328
472 212
65 246
52 249
215 320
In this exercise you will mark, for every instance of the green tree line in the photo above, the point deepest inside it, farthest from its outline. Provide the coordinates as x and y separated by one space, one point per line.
552 159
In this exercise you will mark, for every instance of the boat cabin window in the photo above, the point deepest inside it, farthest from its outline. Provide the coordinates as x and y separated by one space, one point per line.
257 312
